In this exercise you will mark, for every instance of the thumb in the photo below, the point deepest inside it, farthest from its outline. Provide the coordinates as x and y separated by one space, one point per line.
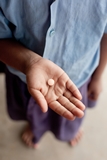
89 92
92 95
40 99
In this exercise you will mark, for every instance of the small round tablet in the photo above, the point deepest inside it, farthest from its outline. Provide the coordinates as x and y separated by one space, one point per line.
50 82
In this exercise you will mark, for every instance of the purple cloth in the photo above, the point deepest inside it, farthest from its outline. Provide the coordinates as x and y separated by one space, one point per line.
2 66
21 106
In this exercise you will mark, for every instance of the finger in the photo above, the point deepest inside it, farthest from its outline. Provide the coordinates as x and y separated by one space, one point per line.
73 89
70 106
93 96
39 98
89 92
74 100
62 111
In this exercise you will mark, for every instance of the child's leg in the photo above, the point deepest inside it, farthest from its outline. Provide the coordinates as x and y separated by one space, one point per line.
19 105
17 102
88 103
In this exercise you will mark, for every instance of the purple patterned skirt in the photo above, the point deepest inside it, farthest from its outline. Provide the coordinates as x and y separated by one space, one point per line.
21 106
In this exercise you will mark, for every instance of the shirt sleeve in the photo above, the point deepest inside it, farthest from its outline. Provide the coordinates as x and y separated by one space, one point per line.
105 31
5 31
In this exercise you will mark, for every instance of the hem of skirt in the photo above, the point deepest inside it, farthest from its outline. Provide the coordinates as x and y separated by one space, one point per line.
17 118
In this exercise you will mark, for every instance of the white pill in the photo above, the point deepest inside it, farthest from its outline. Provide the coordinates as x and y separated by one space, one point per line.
50 82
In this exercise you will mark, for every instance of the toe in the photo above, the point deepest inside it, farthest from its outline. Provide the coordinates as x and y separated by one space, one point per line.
77 138
35 146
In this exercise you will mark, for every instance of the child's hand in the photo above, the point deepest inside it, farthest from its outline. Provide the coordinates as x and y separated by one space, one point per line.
63 97
94 88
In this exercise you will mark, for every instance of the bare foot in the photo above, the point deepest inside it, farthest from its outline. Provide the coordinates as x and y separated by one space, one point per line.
77 138
27 137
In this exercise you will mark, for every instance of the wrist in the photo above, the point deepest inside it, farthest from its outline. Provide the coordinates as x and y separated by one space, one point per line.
31 59
20 57
96 77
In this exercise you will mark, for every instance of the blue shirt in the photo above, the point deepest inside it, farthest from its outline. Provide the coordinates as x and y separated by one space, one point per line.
67 32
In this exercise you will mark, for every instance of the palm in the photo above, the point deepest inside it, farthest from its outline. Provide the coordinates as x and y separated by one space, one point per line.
62 97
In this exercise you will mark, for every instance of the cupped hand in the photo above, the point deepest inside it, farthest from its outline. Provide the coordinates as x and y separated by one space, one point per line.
63 97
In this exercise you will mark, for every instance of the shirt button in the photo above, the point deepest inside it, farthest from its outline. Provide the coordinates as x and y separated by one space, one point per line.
52 32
